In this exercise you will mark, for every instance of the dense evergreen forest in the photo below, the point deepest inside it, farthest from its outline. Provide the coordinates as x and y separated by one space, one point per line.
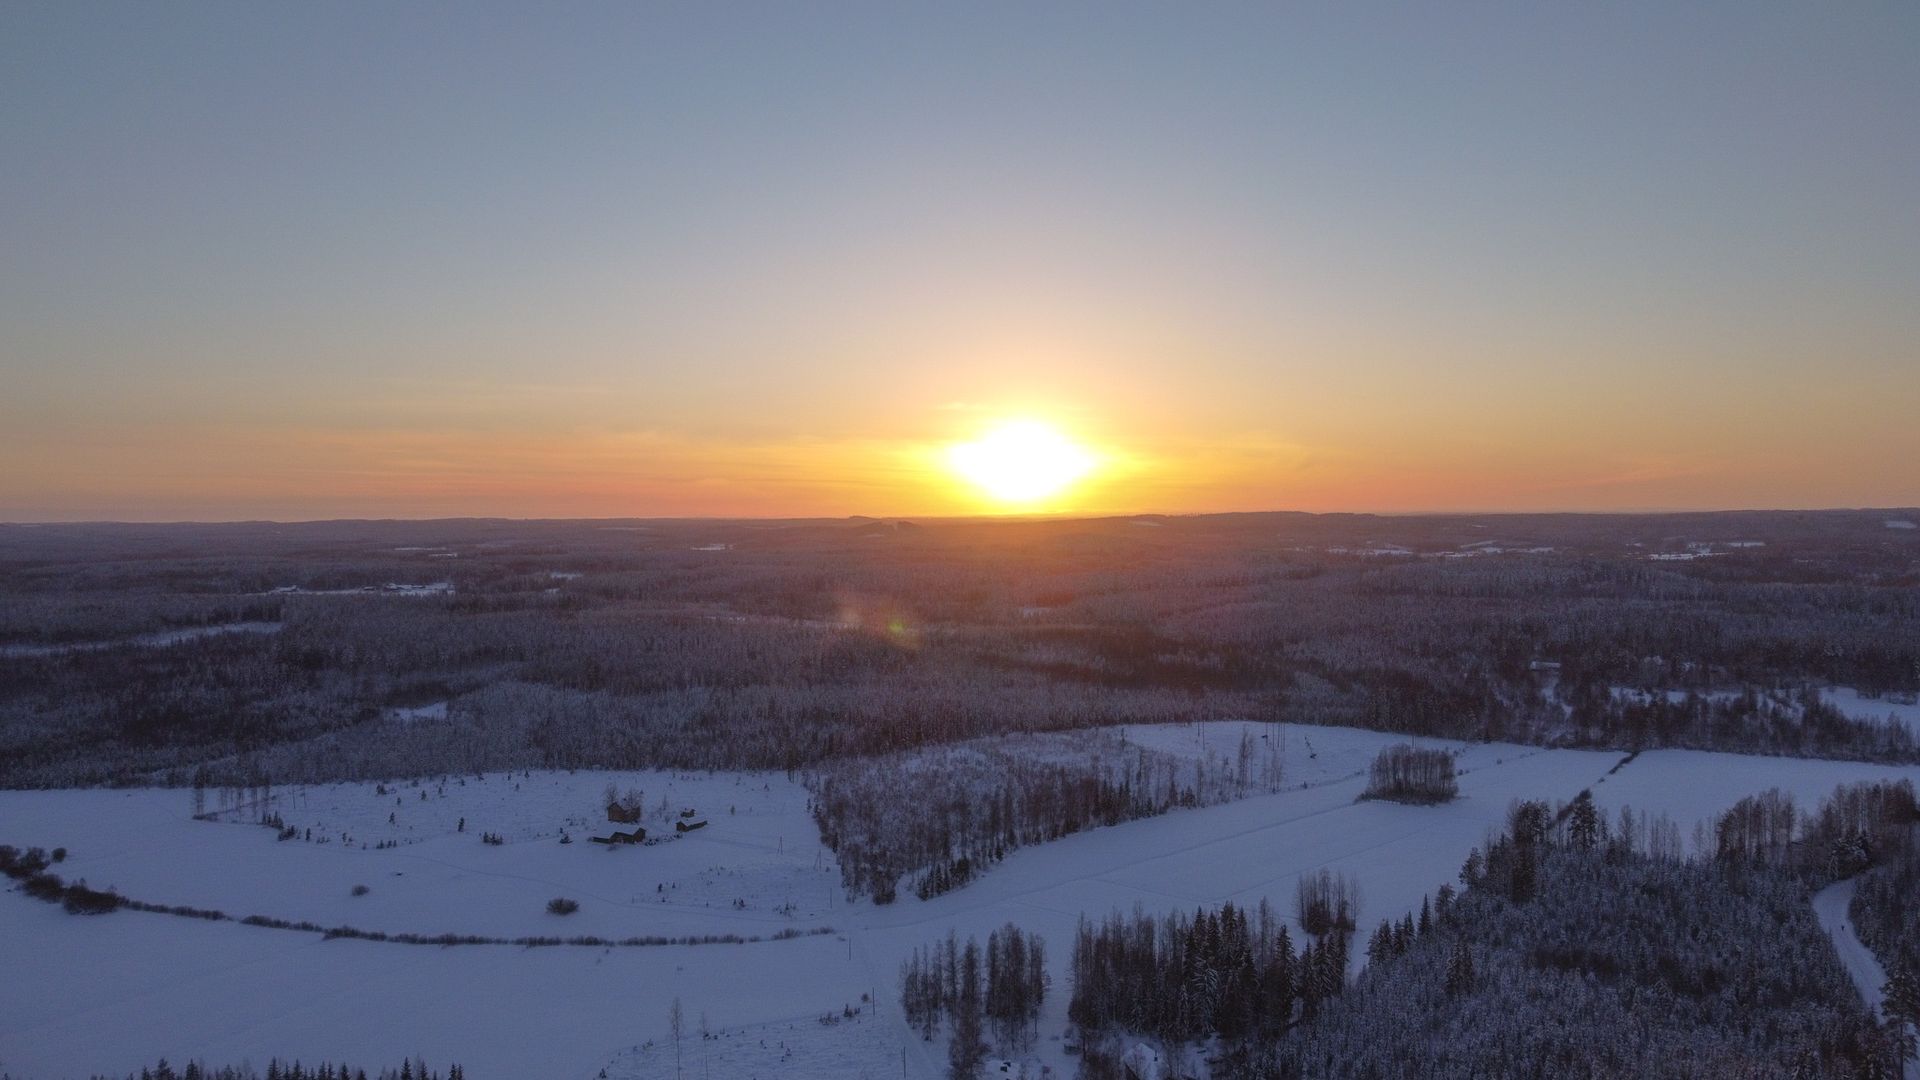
1576 948
136 654
1886 915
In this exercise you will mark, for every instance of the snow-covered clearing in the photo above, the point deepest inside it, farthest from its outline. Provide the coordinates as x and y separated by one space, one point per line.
160 639
831 1044
391 588
756 869
1857 705
109 992
1692 786
436 710
112 992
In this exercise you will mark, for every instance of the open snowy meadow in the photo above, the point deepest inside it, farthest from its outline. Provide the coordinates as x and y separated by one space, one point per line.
804 982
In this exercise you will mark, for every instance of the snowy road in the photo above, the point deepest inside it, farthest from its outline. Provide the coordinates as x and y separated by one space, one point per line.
1830 905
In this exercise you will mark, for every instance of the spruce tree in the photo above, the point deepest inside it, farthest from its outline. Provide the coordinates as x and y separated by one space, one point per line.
1380 946
1278 985
969 1048
1583 822
1460 968
1522 880
1308 985
1902 996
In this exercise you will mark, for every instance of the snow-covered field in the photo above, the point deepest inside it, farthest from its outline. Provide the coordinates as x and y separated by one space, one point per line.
109 992
1860 707
830 1044
156 640
757 868
1850 702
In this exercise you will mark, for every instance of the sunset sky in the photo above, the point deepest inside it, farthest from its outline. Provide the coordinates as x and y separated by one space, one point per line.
271 260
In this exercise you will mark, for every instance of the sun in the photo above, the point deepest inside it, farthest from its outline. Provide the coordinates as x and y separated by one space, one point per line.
1021 462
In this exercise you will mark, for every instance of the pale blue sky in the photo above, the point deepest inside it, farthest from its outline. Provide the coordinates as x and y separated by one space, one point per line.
1675 244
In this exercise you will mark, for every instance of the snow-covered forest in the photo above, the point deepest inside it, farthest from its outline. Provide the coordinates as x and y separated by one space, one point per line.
944 814
148 653
1247 796
1574 947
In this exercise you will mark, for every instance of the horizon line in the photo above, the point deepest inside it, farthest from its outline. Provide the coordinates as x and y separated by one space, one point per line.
962 518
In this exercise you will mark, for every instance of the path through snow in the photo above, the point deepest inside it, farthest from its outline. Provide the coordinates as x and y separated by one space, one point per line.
1830 906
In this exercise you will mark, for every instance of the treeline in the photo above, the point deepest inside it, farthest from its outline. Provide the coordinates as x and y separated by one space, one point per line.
1796 723
1883 913
30 868
1854 828
1410 774
945 984
276 1070
1578 946
942 816
1226 974
559 647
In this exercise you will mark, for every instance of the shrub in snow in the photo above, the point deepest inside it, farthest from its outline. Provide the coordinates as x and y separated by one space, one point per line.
560 905
47 887
361 890
80 900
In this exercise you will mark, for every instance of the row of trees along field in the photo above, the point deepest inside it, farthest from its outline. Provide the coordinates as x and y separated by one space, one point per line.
942 984
1226 974
940 816
278 1070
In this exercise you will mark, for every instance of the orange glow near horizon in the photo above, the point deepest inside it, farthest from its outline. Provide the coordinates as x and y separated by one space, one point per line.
281 268
1018 466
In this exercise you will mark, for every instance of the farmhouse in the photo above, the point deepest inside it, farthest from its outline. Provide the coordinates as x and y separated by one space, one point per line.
637 836
625 815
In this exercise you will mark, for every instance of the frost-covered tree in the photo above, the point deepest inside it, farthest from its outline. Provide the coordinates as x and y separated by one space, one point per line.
1459 967
968 1049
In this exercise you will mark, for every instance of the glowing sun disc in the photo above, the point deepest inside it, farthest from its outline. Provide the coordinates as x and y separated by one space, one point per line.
1021 461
